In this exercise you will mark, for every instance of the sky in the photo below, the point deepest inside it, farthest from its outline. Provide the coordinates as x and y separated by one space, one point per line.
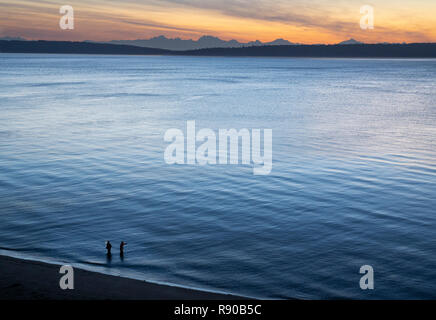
300 21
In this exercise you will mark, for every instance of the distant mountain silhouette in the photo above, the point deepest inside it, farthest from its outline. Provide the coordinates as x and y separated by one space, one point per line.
350 41
204 42
414 50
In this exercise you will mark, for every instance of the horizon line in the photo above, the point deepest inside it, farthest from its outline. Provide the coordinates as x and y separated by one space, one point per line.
20 38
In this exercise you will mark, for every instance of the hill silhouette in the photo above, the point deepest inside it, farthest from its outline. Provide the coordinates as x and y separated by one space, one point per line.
414 50
42 46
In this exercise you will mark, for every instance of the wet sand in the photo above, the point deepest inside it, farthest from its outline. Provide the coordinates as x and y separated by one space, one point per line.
30 280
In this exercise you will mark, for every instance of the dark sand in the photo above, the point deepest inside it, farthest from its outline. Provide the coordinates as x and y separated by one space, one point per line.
30 280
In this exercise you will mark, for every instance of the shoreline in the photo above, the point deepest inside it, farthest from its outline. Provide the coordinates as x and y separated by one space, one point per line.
394 50
33 280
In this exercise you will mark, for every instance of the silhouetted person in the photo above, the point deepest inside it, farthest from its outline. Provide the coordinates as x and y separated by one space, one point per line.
122 244
108 247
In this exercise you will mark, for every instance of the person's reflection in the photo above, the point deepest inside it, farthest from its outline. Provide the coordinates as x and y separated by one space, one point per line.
108 258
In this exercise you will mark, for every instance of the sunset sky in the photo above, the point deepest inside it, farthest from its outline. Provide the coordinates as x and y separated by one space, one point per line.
303 21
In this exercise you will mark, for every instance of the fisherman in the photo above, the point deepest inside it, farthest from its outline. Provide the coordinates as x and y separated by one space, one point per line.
108 247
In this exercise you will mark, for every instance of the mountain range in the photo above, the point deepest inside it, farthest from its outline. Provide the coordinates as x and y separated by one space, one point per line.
162 42
204 42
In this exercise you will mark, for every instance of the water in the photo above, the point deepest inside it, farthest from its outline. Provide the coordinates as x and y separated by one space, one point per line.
353 179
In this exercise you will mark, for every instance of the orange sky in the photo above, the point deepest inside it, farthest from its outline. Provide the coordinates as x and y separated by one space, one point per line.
318 21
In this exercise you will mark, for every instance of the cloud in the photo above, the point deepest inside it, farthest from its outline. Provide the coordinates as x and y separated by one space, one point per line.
298 20
160 26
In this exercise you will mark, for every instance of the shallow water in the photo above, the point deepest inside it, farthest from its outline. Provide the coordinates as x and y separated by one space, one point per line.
353 180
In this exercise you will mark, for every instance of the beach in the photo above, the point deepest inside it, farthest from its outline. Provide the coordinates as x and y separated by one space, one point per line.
32 280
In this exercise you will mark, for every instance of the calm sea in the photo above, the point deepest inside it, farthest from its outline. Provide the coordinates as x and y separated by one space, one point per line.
353 180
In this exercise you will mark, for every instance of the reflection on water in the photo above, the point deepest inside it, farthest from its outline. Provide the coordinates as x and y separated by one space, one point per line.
353 180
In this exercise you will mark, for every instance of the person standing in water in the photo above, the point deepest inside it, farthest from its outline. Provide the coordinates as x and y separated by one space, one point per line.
122 244
108 248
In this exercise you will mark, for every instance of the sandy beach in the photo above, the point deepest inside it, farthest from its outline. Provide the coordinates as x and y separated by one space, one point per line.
31 280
